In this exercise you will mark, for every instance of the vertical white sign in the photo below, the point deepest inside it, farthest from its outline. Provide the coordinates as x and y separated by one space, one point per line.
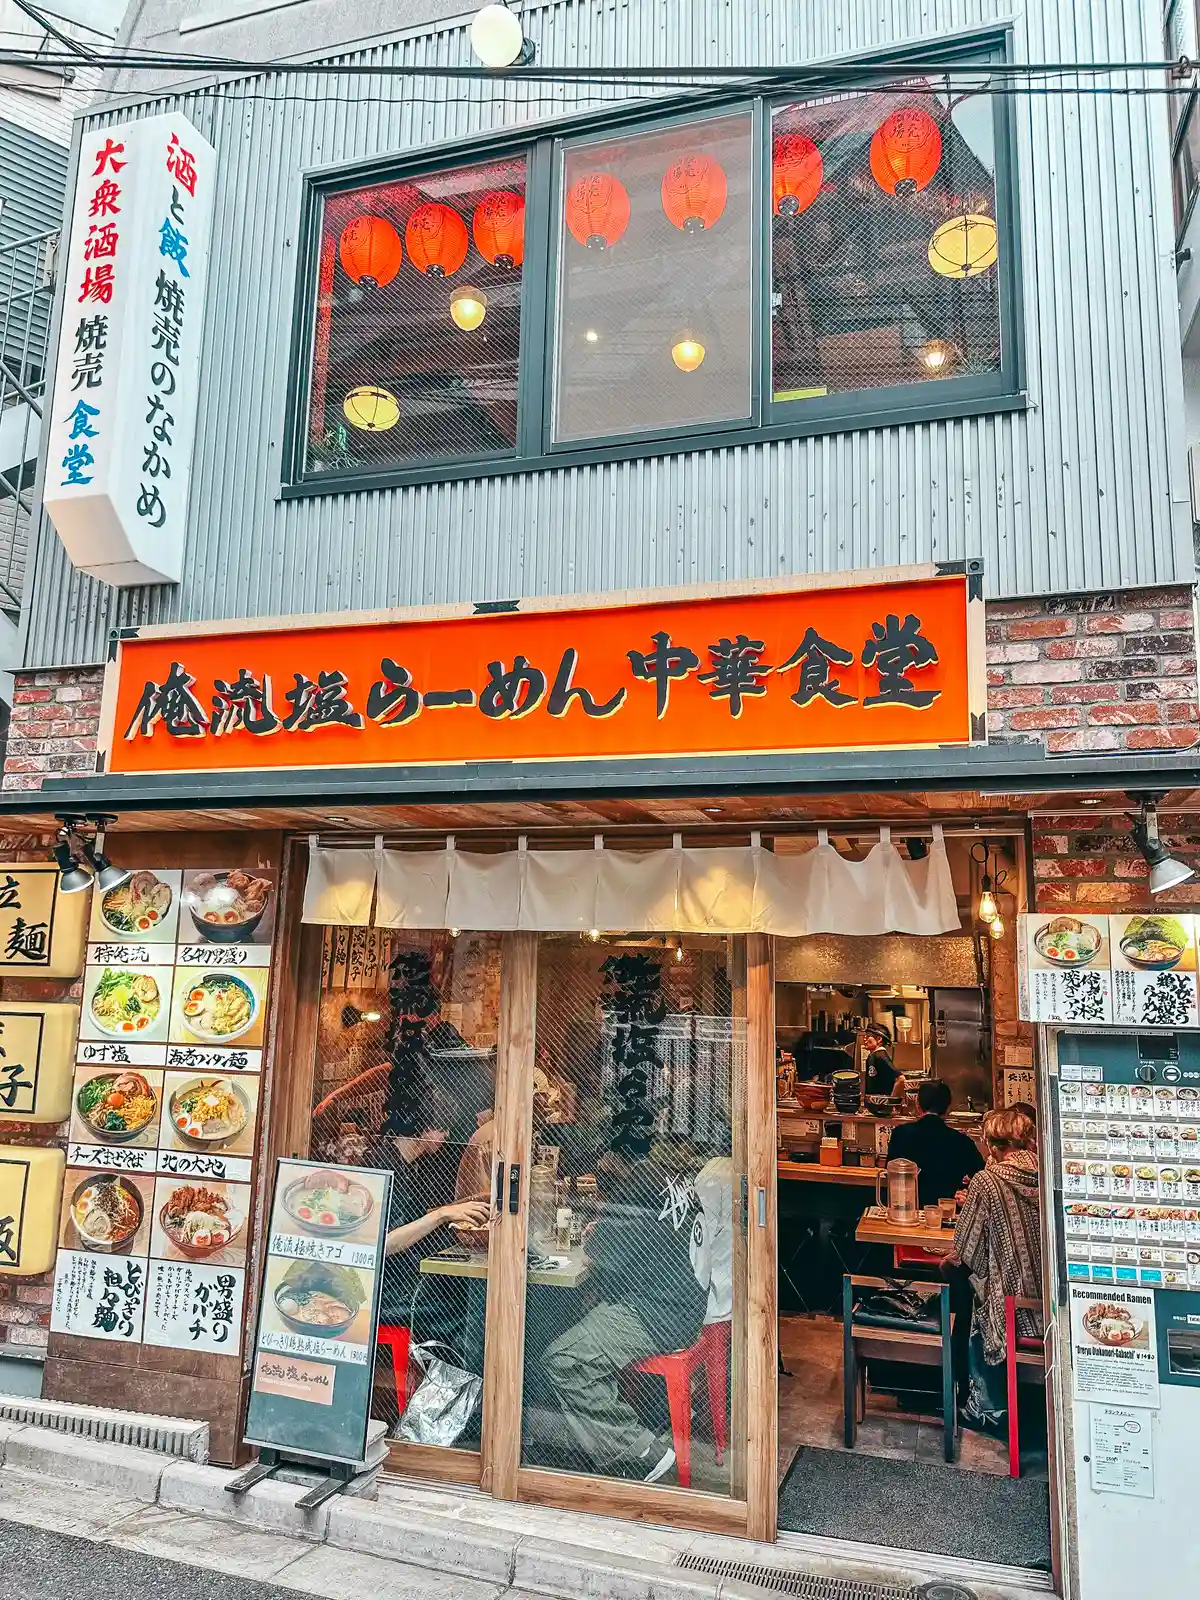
123 418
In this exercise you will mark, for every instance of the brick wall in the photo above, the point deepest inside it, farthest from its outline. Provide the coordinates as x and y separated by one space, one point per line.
1094 672
1092 863
52 731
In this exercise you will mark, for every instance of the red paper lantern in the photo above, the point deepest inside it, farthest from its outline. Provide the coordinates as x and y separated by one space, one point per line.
694 192
499 228
597 210
436 238
797 173
371 251
906 151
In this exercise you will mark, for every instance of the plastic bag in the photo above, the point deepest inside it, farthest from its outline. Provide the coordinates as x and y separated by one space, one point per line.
444 1400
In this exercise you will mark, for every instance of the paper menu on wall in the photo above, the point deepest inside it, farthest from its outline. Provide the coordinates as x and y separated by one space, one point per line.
1114 1346
1122 1451
1153 958
1065 969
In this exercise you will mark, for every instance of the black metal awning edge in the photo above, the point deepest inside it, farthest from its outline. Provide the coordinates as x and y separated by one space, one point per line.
999 769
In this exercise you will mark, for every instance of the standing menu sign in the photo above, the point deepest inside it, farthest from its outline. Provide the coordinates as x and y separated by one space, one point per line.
1135 970
164 1111
314 1348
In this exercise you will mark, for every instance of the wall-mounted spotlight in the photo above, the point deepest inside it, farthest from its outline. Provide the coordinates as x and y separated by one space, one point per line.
107 876
1166 870
498 38
73 876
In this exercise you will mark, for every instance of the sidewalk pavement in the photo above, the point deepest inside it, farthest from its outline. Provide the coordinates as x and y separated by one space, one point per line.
388 1548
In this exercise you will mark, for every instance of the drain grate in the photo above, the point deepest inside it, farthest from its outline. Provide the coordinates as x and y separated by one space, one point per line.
802 1585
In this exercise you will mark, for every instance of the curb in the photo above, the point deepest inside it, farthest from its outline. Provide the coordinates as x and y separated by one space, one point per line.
445 1541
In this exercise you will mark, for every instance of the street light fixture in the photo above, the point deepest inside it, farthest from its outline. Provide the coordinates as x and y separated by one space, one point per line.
498 38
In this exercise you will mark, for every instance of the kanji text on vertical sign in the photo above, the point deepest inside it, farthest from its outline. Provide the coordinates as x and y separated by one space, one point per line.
122 416
794 667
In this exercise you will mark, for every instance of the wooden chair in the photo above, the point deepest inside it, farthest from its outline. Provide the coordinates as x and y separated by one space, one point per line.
872 1336
1022 1356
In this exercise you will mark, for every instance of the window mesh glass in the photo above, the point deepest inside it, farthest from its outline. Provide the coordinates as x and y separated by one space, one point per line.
655 281
884 241
418 320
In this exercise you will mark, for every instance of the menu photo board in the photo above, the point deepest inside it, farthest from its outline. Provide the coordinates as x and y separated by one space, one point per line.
164 1114
314 1347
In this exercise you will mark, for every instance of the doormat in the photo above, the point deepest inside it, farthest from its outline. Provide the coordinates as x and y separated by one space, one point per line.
918 1505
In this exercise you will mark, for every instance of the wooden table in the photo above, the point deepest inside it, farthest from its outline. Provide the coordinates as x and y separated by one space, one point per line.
813 1172
876 1229
571 1276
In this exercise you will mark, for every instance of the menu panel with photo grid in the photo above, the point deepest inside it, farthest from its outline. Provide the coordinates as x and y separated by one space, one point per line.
165 1111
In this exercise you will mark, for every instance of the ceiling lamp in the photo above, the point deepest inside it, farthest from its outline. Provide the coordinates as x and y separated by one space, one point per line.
499 229
371 251
906 151
498 39
436 239
597 210
373 410
964 246
797 174
1166 870
694 192
468 307
936 355
688 353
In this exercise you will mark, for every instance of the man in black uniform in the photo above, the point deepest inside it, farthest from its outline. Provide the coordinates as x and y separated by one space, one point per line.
945 1157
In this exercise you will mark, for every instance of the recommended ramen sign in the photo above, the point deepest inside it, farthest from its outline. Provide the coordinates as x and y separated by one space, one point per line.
314 1356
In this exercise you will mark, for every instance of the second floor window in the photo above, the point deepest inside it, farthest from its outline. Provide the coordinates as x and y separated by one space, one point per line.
758 269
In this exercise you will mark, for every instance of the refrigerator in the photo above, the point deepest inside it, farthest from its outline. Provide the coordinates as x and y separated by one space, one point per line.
961 1046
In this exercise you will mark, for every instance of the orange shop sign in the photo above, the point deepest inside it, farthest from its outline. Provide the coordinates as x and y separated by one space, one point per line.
869 662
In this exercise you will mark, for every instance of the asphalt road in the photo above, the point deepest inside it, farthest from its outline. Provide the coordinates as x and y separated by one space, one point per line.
39 1565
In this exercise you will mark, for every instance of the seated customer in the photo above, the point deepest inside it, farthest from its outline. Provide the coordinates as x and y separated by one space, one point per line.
641 1248
945 1157
999 1241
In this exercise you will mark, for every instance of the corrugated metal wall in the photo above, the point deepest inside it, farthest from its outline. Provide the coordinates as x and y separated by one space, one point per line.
1083 491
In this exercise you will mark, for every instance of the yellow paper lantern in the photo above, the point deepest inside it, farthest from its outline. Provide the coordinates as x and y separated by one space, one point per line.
373 410
687 354
468 307
964 246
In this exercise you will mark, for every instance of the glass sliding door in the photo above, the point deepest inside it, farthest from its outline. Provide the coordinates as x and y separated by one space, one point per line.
634 1209
405 1079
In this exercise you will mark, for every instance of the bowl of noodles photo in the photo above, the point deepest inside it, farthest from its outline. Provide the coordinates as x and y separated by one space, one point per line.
220 1007
106 1211
1154 944
227 907
115 1106
319 1298
207 1112
125 1003
134 909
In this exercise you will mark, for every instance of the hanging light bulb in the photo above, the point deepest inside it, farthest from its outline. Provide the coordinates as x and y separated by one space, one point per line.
594 935
468 307
997 928
988 909
679 952
454 933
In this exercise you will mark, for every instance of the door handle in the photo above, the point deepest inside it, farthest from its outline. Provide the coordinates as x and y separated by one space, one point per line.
762 1208
514 1188
499 1206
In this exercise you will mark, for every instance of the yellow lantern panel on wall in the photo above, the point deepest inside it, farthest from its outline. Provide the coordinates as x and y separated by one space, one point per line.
42 929
371 410
31 1183
965 246
38 1063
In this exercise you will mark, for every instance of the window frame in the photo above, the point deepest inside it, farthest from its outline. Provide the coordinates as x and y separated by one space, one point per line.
943 399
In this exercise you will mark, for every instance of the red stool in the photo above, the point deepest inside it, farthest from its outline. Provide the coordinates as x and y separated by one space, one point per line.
710 1351
397 1339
